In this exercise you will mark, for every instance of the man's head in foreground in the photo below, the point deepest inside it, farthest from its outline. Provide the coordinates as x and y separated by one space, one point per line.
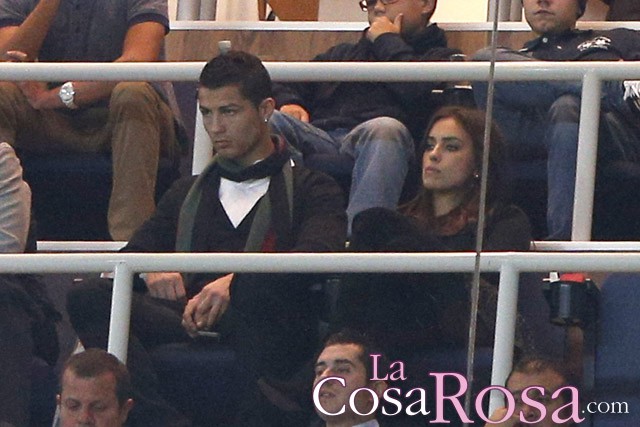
95 390
346 355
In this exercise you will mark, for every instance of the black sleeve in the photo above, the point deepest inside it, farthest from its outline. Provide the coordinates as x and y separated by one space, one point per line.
391 47
304 93
508 230
320 219
158 233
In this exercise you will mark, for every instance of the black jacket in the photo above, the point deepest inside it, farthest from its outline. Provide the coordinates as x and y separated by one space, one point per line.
587 45
318 223
333 105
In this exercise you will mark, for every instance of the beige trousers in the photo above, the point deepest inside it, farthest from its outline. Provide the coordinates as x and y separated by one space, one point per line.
137 128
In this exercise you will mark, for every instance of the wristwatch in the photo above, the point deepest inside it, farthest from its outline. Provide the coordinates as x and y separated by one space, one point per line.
66 94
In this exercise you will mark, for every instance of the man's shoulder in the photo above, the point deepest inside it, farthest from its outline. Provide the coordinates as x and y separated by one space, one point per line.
585 45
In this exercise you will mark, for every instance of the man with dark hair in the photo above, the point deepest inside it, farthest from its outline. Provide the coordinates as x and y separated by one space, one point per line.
542 117
95 389
131 120
363 130
548 374
250 198
347 355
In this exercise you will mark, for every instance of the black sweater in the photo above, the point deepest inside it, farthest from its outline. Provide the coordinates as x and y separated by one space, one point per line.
333 105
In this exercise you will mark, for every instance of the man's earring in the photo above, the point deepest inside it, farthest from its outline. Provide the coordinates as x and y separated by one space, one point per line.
266 119
476 175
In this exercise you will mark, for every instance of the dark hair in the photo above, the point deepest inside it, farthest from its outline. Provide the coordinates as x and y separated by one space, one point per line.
472 120
532 365
367 348
94 362
241 69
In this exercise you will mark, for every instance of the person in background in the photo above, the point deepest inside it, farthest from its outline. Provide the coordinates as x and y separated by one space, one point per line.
542 117
130 120
541 372
251 198
361 132
408 312
27 316
347 354
95 390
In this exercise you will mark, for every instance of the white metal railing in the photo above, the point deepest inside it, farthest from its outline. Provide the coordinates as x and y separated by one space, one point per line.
508 264
357 27
591 73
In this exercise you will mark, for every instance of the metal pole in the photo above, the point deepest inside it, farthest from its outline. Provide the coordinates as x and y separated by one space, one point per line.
505 331
188 10
586 157
120 311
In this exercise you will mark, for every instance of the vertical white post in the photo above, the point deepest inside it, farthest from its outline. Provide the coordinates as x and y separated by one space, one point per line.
208 10
505 331
120 311
188 10
587 157
504 10
515 13
202 148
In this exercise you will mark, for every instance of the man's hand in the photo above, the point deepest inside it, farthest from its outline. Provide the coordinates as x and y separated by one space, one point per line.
165 285
37 93
204 310
297 111
382 25
15 56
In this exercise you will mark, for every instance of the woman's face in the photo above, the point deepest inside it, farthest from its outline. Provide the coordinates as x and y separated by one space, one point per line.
448 163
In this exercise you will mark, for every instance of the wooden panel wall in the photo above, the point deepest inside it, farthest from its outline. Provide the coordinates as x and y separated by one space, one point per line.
201 45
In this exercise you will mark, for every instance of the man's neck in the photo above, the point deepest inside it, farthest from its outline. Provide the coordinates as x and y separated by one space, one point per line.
555 34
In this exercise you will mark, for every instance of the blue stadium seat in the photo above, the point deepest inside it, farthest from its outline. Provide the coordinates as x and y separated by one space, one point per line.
617 371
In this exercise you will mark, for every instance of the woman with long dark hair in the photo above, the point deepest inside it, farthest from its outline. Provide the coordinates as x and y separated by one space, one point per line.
407 311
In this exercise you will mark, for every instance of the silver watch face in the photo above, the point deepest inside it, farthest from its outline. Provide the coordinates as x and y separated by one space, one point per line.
67 93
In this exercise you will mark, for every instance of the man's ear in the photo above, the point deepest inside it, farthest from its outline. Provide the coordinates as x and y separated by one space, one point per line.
124 411
429 7
266 108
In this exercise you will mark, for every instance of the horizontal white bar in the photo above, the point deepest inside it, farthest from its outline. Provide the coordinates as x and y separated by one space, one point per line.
326 71
318 262
330 26
79 246
582 246
538 245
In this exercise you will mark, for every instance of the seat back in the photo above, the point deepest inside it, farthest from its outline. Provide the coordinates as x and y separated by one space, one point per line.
617 371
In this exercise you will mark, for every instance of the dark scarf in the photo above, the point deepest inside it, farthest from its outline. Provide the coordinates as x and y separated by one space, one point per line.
278 161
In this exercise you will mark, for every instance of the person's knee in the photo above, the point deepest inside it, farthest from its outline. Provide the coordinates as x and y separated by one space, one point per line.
483 54
9 90
386 129
565 109
88 302
132 95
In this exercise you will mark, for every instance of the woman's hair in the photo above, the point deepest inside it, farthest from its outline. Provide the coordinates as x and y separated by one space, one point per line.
473 122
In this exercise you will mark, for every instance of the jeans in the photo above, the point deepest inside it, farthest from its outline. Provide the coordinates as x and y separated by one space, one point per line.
539 118
375 155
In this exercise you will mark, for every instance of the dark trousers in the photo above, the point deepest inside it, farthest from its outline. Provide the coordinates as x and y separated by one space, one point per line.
16 355
270 336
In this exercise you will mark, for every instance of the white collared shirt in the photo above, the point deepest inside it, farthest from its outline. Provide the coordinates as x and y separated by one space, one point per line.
238 198
370 423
